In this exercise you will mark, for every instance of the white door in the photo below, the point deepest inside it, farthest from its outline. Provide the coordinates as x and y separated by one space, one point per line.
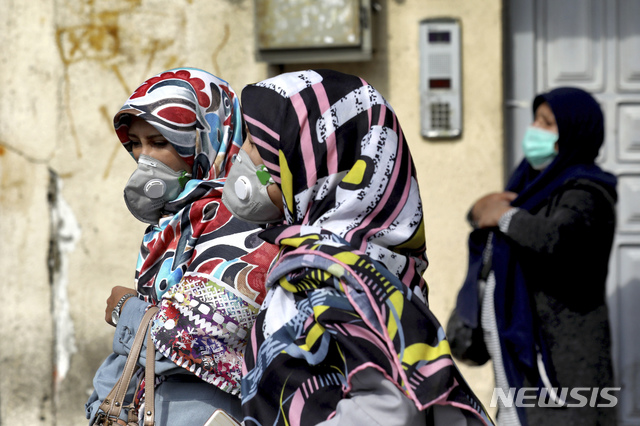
595 45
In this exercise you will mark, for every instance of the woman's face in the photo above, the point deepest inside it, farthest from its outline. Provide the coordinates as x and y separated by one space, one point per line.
273 190
545 119
147 140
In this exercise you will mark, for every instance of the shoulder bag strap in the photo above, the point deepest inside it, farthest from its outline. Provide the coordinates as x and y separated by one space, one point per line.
149 383
112 404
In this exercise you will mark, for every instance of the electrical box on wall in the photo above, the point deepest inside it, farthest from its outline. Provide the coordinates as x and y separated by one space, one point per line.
440 78
295 31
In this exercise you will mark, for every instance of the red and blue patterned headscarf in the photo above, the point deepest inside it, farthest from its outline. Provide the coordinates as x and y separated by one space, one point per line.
197 112
205 269
347 291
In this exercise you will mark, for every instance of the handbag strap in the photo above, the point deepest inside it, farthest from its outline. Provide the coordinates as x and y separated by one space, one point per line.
112 404
149 383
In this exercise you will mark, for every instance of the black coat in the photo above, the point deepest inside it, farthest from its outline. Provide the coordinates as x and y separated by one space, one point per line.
564 249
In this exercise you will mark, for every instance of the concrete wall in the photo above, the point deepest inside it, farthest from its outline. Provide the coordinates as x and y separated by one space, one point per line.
66 236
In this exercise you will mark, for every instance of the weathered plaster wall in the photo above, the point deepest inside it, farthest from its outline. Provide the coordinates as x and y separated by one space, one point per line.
28 129
65 235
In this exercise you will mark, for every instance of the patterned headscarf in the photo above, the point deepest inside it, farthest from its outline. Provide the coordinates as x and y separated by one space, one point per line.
205 269
335 147
197 112
347 291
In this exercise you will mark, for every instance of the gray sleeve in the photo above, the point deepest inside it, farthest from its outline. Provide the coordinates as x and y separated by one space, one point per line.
103 381
374 400
126 330
574 216
505 219
111 369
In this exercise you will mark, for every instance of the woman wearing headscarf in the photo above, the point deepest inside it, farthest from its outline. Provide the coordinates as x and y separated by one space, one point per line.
345 335
203 268
546 241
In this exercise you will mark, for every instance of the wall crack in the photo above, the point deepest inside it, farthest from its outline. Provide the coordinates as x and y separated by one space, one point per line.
64 234
24 155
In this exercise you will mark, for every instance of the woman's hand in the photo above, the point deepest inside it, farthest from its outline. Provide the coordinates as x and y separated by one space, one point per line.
116 294
488 210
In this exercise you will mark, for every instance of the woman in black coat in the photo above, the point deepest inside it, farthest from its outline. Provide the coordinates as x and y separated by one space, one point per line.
546 243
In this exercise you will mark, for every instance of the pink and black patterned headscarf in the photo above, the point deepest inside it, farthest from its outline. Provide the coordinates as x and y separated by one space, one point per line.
335 147
346 292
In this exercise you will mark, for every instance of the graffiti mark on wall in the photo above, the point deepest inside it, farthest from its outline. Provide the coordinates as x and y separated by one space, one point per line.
221 45
117 146
123 35
87 42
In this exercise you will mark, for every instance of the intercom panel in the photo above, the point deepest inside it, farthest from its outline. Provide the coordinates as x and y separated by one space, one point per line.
440 78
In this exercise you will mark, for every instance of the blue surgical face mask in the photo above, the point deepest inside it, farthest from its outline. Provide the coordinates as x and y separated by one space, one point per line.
539 147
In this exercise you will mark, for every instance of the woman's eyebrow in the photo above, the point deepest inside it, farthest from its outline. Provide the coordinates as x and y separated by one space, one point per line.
155 135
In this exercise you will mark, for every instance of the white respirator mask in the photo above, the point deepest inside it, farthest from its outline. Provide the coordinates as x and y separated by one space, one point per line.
245 192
